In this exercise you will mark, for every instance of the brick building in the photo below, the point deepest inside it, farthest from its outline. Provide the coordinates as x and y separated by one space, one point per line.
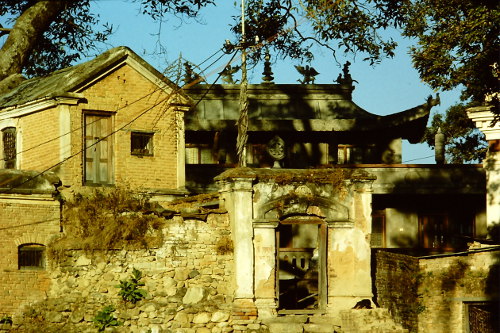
113 120
29 219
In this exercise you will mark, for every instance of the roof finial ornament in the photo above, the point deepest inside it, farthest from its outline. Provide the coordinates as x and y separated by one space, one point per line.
268 71
347 78
308 74
227 74
190 76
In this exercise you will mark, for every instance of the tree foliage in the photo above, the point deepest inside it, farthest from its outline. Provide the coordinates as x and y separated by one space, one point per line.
51 34
456 41
463 142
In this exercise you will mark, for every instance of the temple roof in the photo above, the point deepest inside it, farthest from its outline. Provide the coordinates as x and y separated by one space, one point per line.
302 108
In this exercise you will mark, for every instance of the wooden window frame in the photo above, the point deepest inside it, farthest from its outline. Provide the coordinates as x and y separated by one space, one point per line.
136 139
380 214
105 136
9 149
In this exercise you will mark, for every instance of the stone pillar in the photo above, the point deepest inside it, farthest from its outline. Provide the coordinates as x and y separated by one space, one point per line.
265 268
483 118
237 194
349 253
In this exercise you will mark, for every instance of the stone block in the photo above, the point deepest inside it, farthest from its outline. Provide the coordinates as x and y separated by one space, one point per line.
285 328
219 316
194 295
201 318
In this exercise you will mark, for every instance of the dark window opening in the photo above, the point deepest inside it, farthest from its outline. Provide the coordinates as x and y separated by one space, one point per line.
301 266
141 144
378 229
9 147
31 256
482 317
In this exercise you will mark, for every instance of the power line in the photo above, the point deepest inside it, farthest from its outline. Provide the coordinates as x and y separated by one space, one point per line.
173 92
420 158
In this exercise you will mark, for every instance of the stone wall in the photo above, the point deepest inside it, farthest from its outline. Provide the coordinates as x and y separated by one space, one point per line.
431 294
396 287
449 283
188 281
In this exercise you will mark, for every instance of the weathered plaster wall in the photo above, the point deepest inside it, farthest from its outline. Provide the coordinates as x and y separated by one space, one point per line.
401 228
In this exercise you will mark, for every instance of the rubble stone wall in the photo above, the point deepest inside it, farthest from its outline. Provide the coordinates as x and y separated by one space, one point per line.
189 284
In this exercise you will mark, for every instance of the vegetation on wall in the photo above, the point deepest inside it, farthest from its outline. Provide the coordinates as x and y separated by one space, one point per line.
129 289
109 219
105 318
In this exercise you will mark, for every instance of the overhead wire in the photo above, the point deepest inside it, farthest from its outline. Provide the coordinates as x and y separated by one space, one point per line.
257 46
85 147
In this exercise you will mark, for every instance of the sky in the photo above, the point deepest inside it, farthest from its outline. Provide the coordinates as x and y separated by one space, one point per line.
389 87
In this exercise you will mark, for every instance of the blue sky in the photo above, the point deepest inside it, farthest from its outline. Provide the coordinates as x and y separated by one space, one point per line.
389 87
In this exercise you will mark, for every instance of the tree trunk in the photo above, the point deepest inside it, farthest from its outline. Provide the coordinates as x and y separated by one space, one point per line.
24 36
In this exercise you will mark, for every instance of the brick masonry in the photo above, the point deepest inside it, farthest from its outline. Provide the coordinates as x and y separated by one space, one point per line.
125 95
431 294
24 219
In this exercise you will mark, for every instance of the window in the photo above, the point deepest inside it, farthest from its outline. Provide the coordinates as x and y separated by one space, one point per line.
378 229
31 256
9 147
344 154
98 150
434 232
141 144
200 154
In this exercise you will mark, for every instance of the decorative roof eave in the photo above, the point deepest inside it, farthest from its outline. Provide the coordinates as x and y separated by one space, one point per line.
40 104
416 122
78 77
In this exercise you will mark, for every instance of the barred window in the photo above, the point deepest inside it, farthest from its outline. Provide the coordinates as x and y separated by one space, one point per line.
31 256
9 147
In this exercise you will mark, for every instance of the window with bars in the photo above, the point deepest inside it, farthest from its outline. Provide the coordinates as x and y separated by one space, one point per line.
141 143
9 147
31 256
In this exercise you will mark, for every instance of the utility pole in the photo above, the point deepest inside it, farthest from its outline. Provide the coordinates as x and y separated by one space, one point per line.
241 141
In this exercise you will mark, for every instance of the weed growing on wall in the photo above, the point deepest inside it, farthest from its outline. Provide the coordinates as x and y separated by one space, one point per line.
109 219
129 289
224 245
105 318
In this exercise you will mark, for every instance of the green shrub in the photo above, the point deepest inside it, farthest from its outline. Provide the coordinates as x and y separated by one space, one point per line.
105 318
129 289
